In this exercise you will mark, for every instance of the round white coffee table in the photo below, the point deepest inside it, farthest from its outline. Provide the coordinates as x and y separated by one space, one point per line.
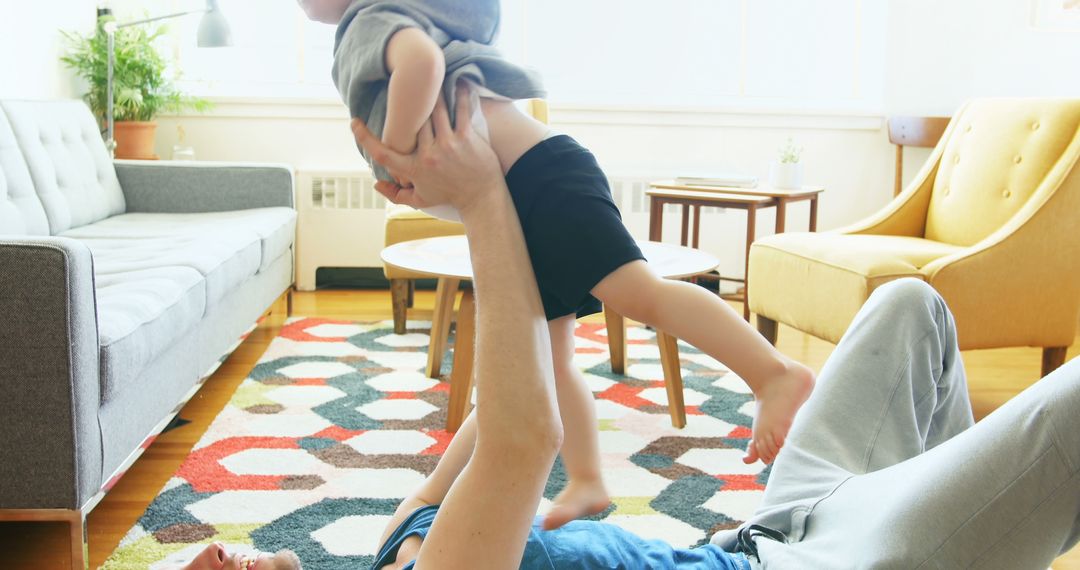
447 259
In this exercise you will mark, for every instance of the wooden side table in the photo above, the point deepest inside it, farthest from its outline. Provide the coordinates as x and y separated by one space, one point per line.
447 258
751 200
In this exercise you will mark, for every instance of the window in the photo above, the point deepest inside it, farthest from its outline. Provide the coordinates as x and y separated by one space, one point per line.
763 54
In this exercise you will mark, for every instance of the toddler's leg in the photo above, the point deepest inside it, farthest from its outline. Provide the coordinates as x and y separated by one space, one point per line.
702 319
584 493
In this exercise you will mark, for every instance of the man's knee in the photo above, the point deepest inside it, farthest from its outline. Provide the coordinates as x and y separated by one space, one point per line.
912 305
907 291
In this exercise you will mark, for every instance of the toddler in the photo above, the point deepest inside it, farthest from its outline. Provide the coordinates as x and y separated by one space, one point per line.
393 59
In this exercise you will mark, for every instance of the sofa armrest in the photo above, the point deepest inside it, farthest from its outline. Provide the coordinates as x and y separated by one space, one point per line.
189 187
50 441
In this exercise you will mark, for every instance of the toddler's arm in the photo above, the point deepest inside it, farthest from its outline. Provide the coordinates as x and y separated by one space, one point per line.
417 68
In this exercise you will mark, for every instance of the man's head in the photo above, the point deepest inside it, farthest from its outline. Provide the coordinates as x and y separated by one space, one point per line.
325 11
215 557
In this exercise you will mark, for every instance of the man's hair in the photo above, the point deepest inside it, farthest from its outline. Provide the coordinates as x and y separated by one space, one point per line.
286 559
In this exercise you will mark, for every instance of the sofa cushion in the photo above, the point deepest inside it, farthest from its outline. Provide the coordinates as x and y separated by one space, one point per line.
70 168
141 313
21 212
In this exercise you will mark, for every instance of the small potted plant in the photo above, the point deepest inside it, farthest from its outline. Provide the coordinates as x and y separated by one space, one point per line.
786 171
141 87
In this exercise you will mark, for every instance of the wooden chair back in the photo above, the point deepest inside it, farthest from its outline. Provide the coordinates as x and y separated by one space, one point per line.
913 131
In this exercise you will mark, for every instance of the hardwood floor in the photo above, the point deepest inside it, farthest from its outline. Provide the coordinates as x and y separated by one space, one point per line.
994 376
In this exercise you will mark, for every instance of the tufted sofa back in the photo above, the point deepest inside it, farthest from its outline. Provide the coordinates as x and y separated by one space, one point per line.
21 212
69 168
997 153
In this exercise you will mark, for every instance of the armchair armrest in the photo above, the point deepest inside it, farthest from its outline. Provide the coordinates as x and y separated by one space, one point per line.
189 187
1024 276
50 441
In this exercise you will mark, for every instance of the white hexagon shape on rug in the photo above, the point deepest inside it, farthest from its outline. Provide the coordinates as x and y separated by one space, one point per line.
731 381
598 383
397 409
283 347
749 409
328 330
271 462
650 371
248 507
305 396
352 536
738 505
621 442
374 483
413 340
316 370
608 410
719 462
402 382
659 396
297 425
643 351
389 442
633 481
662 527
398 360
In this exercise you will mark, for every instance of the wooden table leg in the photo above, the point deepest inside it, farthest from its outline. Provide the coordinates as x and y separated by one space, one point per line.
656 218
616 338
461 377
813 213
669 361
697 225
440 324
685 225
781 215
751 230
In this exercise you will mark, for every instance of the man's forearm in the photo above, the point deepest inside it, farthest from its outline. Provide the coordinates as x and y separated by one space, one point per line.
514 363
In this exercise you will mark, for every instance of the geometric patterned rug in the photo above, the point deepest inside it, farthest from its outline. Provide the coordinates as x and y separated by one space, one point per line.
337 423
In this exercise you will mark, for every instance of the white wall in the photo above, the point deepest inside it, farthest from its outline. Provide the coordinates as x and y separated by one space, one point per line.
936 55
31 45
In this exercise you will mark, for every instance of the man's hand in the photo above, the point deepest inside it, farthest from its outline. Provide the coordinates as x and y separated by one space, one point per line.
449 166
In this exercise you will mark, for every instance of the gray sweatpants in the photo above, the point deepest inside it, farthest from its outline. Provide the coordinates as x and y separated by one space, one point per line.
884 469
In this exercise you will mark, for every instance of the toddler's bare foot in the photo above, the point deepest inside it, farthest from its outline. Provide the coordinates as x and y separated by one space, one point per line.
777 401
578 499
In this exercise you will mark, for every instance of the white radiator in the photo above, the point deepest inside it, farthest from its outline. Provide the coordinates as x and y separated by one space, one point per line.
341 222
342 218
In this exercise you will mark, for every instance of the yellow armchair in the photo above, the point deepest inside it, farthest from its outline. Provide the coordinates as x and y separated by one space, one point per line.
991 222
406 224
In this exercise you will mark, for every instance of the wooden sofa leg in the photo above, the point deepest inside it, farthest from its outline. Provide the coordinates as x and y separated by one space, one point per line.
399 296
288 302
77 535
1052 358
767 328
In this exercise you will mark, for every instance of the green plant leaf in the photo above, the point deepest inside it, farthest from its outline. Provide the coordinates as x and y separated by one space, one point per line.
141 87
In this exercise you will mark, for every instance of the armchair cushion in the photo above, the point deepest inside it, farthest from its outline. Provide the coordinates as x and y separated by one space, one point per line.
817 282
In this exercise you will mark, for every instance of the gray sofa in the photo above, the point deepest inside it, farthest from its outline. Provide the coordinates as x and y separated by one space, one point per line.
122 286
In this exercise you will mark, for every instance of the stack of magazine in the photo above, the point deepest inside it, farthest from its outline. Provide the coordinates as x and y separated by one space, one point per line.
718 180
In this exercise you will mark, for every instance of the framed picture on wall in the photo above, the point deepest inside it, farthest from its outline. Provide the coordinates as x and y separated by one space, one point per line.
1055 14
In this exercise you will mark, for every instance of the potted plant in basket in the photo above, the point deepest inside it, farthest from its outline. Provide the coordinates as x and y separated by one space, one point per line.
786 171
141 87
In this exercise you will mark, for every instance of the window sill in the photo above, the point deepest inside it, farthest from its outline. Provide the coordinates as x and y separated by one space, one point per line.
325 108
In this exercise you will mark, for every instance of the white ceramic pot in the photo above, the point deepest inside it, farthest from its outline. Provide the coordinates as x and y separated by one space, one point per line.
786 175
